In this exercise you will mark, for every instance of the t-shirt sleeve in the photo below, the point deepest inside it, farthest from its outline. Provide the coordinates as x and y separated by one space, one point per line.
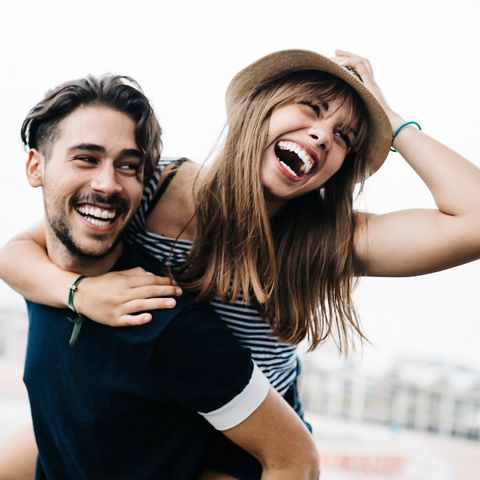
204 368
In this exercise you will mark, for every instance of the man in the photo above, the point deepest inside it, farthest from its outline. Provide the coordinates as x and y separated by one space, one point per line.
132 403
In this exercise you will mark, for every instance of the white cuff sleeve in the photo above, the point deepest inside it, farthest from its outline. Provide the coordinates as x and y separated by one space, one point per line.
241 406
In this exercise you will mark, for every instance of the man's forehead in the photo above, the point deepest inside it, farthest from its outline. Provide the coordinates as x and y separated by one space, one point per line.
97 125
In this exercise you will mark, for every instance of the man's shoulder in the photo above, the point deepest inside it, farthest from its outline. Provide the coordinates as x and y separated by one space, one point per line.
136 256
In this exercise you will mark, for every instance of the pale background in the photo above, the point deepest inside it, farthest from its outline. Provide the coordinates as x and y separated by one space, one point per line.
425 56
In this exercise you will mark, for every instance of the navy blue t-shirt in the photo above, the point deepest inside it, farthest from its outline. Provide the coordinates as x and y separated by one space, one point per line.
122 403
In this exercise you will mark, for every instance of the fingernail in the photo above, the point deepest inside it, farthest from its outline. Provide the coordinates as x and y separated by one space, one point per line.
178 291
170 303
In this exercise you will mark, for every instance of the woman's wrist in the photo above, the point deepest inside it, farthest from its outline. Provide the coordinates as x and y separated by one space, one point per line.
66 284
395 119
399 129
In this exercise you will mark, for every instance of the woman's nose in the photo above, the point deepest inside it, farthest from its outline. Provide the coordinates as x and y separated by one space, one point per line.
321 134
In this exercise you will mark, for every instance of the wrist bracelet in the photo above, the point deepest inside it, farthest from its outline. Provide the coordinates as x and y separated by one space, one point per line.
398 129
78 320
71 292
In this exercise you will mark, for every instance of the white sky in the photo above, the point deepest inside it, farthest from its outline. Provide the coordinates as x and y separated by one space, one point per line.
425 56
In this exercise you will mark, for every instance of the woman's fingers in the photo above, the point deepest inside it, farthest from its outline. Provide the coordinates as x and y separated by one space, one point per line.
120 282
107 298
151 291
129 311
132 320
361 64
135 281
364 69
139 272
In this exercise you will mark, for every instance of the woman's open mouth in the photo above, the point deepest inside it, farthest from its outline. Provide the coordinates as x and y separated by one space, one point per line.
294 158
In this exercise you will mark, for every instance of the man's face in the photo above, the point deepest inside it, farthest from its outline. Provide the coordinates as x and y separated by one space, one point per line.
92 180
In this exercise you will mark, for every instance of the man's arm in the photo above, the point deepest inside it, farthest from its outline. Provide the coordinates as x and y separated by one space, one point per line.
276 436
215 376
18 455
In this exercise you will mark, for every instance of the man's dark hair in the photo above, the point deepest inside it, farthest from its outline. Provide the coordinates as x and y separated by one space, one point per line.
119 92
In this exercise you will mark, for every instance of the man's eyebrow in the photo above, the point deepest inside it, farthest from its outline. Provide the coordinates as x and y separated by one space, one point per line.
131 152
92 147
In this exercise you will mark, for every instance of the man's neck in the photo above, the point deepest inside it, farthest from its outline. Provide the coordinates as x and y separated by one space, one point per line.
66 260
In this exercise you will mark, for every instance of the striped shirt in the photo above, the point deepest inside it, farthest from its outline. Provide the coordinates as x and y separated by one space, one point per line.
277 360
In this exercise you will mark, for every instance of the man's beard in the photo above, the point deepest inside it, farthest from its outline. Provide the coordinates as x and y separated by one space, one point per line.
63 233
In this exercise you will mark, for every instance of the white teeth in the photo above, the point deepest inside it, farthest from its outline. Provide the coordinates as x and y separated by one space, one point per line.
98 213
95 221
307 160
288 168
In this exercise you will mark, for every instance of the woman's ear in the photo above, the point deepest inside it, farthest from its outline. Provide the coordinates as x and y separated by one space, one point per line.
35 167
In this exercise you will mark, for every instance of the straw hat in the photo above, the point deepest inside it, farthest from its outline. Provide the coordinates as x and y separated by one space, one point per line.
277 64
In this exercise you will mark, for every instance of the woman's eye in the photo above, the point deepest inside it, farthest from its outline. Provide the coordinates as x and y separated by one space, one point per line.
344 137
313 106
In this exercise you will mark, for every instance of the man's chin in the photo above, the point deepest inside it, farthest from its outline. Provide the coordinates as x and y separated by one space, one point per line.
92 253
86 246
88 249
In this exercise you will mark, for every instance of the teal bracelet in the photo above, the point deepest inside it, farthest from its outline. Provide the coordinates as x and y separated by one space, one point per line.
78 320
398 129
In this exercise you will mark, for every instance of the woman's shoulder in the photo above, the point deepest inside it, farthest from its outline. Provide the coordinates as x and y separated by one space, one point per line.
172 205
171 169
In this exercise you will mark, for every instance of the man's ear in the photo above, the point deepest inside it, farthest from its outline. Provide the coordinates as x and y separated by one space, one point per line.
35 167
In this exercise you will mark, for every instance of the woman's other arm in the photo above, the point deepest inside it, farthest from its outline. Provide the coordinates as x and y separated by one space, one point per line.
24 265
114 298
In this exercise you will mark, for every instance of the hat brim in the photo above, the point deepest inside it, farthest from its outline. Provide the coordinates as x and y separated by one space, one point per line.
277 64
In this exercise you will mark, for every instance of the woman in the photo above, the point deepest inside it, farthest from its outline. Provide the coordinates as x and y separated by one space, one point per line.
276 242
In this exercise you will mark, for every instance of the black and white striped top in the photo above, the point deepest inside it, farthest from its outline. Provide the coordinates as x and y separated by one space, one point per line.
277 360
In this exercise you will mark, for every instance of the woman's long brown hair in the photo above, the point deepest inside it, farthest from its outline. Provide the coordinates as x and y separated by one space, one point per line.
297 267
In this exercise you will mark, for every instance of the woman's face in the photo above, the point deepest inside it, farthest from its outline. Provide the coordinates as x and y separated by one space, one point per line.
306 144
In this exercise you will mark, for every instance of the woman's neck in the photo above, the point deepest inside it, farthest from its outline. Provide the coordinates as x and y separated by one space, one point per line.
273 204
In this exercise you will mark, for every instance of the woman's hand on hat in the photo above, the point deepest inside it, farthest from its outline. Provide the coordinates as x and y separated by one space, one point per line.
365 71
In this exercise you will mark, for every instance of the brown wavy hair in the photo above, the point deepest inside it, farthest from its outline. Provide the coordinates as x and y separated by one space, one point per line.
118 92
297 267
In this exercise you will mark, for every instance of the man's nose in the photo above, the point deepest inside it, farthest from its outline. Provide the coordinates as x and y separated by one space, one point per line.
105 180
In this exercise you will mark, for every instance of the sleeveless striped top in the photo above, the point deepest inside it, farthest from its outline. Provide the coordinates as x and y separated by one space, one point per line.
277 360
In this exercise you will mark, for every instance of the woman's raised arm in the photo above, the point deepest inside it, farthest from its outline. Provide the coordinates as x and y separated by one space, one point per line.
415 242
419 241
113 299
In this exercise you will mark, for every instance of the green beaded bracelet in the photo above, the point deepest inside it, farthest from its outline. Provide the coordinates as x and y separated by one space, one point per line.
78 320
398 129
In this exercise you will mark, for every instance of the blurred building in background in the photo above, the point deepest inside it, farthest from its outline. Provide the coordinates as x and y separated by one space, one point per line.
14 409
422 395
410 420
13 335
